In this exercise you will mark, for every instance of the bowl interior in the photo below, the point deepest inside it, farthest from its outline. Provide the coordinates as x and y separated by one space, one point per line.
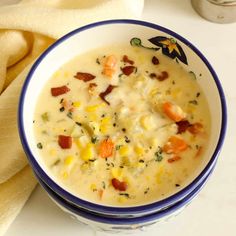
108 33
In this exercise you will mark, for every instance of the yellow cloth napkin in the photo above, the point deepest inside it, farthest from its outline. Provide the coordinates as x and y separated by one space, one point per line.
26 30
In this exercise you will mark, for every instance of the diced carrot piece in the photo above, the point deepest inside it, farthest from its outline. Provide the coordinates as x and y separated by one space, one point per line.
174 159
199 151
119 185
195 128
109 66
173 111
100 193
106 148
175 145
65 142
59 90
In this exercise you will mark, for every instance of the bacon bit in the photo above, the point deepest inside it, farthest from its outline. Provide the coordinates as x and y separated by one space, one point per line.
59 90
164 75
65 142
68 105
127 70
199 151
155 60
175 145
84 76
196 128
100 193
127 60
183 125
119 185
173 111
91 88
174 159
106 92
106 148
109 66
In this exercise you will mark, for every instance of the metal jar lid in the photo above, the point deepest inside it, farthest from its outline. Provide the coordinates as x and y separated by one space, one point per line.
219 11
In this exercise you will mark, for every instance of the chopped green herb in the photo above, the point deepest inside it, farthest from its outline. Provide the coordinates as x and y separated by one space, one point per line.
121 167
146 190
127 139
124 194
118 147
97 61
193 75
56 162
198 94
33 121
62 109
62 100
103 185
69 114
158 155
92 160
45 116
94 139
141 161
194 102
112 164
39 146
124 129
103 115
120 75
173 82
177 185
114 124
78 123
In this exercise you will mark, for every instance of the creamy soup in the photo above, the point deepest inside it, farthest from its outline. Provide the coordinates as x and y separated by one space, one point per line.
122 126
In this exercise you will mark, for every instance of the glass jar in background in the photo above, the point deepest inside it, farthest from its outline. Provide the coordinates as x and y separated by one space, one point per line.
219 11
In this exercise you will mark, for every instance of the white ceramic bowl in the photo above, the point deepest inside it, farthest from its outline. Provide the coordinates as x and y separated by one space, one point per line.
140 34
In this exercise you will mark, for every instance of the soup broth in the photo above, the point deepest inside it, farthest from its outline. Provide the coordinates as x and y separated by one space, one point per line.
122 126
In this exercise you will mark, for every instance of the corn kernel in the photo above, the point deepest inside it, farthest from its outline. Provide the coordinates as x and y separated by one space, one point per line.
140 165
52 152
146 122
84 166
78 143
153 92
138 150
68 161
87 152
93 187
116 173
76 104
122 199
159 175
93 108
105 124
124 150
148 178
176 92
92 116
65 175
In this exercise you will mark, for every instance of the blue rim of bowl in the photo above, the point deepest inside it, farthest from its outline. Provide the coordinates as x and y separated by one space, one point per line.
109 209
154 217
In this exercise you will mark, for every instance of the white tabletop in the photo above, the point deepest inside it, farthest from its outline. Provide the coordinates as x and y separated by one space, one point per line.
213 212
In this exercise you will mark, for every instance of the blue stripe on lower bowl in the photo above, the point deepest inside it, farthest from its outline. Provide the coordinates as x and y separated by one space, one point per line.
124 221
